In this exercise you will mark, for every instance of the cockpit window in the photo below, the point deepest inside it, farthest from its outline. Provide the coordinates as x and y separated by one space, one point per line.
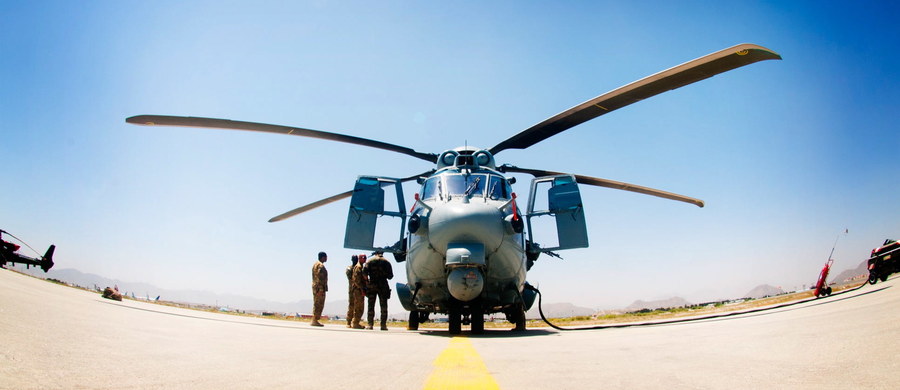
499 188
494 187
431 188
470 185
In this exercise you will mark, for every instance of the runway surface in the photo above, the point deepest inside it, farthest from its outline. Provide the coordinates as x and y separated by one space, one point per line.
52 336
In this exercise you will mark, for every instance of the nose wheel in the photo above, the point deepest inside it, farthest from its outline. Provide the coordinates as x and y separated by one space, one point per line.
455 320
472 315
477 319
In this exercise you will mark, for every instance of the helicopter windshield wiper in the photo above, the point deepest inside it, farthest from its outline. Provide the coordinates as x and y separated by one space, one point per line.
472 186
491 190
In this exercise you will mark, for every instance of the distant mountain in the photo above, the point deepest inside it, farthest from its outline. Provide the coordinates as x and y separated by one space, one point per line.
149 291
861 269
661 304
559 310
764 290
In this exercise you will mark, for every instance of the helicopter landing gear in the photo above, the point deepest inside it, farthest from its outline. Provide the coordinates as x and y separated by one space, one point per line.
517 316
455 319
476 318
413 320
459 314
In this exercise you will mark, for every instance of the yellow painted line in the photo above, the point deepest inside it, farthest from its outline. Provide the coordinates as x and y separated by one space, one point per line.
460 367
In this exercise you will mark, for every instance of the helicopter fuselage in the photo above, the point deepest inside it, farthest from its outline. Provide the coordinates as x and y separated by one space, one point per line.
465 248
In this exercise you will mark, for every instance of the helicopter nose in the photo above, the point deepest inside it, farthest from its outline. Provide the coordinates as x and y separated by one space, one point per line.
464 283
460 222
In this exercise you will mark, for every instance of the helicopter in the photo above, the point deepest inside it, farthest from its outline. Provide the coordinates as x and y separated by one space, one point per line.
8 254
466 242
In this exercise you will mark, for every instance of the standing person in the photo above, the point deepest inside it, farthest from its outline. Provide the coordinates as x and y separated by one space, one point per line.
319 287
357 291
379 271
350 296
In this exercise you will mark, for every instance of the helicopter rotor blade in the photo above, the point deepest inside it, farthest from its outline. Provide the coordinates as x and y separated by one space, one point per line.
213 123
303 209
672 78
334 198
618 185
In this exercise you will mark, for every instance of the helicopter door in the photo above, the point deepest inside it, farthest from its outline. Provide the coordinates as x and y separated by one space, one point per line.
366 206
564 205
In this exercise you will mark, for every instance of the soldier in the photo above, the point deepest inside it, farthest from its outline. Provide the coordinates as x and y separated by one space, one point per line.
378 269
350 296
319 287
357 291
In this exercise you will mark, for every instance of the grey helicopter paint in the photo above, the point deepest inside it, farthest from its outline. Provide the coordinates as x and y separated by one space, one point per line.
466 250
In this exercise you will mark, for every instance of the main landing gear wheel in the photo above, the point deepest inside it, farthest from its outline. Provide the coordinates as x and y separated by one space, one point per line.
517 317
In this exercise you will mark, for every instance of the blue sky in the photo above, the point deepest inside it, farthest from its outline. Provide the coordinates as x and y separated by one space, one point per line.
786 154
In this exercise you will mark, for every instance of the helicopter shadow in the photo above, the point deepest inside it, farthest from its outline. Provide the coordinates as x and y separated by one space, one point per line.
490 333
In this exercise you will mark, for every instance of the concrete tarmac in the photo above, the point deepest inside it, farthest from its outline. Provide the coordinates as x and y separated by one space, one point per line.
52 336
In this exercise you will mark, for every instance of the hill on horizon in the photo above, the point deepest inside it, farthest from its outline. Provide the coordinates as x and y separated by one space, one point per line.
861 269
660 304
763 290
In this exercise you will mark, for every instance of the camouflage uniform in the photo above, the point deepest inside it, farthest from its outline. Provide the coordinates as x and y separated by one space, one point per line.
349 272
379 270
357 291
319 288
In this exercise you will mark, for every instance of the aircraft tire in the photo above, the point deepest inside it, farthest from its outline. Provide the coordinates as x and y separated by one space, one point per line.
455 319
477 320
413 320
519 315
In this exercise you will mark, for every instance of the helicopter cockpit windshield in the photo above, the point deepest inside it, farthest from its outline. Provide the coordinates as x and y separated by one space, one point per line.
494 187
431 188
468 185
499 188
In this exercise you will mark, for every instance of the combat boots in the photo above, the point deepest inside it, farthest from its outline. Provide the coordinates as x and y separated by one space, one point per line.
383 326
356 325
315 323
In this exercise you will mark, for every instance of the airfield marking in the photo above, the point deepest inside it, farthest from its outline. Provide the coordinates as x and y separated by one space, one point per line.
460 367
